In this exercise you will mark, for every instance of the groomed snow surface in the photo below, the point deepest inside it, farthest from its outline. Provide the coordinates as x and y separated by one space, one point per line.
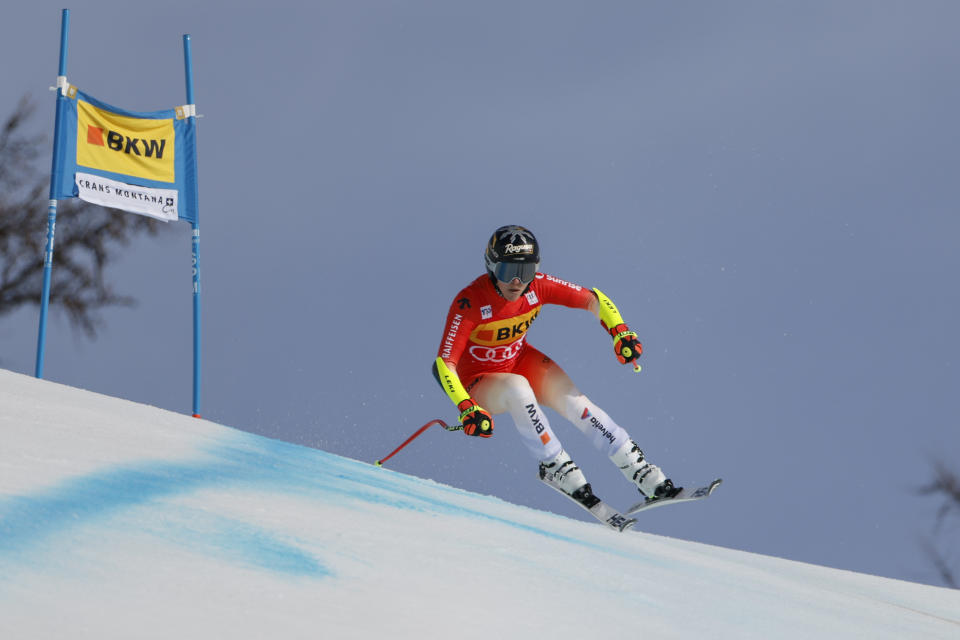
119 520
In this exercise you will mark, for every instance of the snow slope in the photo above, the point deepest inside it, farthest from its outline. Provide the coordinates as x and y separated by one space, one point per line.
122 520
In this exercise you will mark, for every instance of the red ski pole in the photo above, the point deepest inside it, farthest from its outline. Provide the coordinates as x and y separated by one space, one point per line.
443 424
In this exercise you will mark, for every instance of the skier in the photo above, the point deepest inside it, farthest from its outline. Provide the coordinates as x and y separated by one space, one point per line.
487 367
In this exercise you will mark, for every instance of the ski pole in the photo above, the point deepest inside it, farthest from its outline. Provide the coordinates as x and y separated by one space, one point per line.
443 424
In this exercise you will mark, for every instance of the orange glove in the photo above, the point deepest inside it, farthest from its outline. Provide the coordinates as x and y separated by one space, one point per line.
475 420
625 344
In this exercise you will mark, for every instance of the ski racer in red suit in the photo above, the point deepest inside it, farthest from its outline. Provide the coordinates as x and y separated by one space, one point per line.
486 366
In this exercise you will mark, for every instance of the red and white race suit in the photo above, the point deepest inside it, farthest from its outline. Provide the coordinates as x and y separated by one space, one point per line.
486 334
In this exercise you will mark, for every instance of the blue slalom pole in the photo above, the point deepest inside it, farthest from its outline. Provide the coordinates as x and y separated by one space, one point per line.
188 73
196 320
55 174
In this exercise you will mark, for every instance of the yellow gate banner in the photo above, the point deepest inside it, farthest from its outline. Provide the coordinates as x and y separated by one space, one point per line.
129 146
140 162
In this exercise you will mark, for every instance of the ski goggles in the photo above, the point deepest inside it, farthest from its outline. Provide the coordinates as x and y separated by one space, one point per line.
507 271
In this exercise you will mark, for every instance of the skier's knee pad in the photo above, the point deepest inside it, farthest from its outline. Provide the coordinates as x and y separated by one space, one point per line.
517 393
574 406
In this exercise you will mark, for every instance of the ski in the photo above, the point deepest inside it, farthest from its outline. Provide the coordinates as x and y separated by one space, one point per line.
595 507
685 495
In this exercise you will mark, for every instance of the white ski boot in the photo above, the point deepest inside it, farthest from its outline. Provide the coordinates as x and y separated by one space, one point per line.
562 473
648 478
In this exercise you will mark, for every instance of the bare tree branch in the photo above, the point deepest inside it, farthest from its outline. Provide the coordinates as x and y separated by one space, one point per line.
940 564
945 483
88 237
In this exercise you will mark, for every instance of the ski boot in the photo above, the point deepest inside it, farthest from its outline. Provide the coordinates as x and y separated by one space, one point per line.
563 474
648 478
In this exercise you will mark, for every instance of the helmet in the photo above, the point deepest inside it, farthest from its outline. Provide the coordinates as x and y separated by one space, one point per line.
513 252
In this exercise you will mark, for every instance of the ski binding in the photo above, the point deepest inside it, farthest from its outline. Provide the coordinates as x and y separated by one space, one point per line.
685 495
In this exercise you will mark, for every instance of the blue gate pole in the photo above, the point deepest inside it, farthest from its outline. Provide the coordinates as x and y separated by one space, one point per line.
55 175
188 70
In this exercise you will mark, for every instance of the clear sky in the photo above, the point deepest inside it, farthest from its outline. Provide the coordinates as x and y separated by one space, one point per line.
766 189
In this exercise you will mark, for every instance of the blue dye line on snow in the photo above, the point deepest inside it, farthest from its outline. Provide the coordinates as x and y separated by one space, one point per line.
245 461
26 521
335 475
